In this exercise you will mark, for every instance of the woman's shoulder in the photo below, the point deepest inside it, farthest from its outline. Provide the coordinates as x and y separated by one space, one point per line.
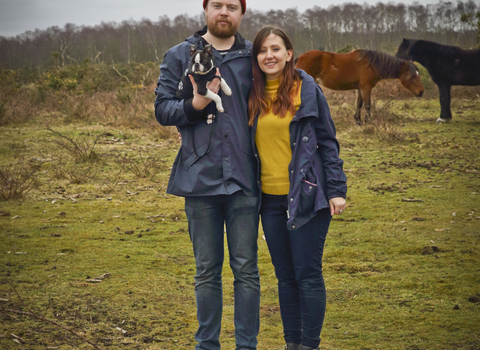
307 81
311 94
303 75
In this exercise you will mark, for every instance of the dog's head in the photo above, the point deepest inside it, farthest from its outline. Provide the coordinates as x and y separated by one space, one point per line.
201 61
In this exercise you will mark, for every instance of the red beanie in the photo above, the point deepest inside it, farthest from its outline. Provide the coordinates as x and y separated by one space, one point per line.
244 5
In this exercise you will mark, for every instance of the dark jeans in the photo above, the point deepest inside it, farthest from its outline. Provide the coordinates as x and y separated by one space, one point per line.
297 258
206 218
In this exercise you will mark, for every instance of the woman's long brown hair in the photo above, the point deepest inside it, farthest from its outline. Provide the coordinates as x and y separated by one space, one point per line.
260 101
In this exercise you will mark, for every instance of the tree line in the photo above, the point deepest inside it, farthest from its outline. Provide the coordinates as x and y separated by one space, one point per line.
378 27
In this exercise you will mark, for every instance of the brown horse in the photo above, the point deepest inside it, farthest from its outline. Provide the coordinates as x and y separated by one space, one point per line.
360 70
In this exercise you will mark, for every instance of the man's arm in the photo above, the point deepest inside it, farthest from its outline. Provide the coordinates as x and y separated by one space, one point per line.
169 110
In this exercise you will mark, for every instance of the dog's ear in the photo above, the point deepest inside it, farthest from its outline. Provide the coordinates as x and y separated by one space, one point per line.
208 50
193 49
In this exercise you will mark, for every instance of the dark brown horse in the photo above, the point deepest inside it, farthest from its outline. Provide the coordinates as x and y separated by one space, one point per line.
360 70
447 65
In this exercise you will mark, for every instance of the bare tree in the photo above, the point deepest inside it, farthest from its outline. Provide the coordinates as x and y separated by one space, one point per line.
378 27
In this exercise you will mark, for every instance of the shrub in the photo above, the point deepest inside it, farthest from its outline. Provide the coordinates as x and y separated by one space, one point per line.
82 147
18 178
20 106
75 107
385 126
142 167
75 173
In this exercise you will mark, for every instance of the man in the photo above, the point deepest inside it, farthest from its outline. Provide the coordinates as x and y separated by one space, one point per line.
215 171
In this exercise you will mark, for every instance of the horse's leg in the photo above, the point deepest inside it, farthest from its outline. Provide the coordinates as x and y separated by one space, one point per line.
445 112
367 93
358 111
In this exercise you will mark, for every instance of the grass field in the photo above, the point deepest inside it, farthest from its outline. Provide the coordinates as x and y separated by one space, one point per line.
84 197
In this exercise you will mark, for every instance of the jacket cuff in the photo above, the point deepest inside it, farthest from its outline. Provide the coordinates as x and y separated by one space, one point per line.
192 114
336 195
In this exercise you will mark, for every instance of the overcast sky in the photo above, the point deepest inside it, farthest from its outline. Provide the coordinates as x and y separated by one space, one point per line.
19 16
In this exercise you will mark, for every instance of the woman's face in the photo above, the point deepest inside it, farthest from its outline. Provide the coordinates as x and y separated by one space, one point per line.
273 56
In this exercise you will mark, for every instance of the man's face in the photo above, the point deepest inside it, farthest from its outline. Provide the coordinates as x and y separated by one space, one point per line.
223 17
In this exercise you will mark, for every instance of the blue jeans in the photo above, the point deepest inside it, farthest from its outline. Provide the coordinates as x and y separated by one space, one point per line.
206 217
297 258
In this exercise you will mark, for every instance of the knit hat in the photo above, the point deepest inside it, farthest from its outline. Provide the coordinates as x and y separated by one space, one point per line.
243 2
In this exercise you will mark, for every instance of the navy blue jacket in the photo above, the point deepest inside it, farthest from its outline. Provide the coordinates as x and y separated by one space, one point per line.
316 170
215 158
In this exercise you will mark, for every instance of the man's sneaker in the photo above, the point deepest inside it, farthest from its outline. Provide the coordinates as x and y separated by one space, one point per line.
292 346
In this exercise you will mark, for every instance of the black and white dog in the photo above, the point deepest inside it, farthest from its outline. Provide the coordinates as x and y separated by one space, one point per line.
202 68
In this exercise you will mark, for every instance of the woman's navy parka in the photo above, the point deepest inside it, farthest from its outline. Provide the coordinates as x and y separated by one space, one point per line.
316 170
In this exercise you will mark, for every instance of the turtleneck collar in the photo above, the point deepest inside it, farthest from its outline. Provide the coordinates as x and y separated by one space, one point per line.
272 85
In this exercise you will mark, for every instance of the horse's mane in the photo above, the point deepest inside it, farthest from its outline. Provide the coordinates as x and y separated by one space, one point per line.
387 66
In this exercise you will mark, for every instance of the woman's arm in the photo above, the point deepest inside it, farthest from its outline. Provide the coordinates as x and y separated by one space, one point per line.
329 149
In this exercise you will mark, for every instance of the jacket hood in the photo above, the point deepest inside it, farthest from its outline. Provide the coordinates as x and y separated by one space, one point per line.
310 89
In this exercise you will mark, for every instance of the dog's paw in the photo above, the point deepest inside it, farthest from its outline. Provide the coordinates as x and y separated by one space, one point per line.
227 91
220 107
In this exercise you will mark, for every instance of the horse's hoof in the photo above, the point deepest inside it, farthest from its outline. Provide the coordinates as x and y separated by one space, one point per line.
441 121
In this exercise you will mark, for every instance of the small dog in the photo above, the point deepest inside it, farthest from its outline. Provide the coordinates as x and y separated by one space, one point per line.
202 68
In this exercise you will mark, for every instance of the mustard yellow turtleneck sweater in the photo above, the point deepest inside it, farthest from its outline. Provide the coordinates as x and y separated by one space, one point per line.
273 144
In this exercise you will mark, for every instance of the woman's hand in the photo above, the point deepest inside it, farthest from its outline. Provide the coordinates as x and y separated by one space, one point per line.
199 102
337 205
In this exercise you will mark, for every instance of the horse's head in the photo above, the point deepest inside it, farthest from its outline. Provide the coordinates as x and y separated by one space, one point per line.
410 78
404 50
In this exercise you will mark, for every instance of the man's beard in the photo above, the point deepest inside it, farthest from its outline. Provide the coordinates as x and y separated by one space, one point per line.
221 31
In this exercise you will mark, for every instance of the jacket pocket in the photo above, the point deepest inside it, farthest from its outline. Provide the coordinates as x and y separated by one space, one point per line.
189 156
308 192
195 142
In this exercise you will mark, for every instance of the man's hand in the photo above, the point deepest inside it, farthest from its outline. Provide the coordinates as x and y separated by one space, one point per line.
199 102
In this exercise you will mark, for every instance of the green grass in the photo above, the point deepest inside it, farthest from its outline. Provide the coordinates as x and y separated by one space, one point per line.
399 273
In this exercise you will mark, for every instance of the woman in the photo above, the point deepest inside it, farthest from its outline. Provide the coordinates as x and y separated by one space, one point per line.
302 181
